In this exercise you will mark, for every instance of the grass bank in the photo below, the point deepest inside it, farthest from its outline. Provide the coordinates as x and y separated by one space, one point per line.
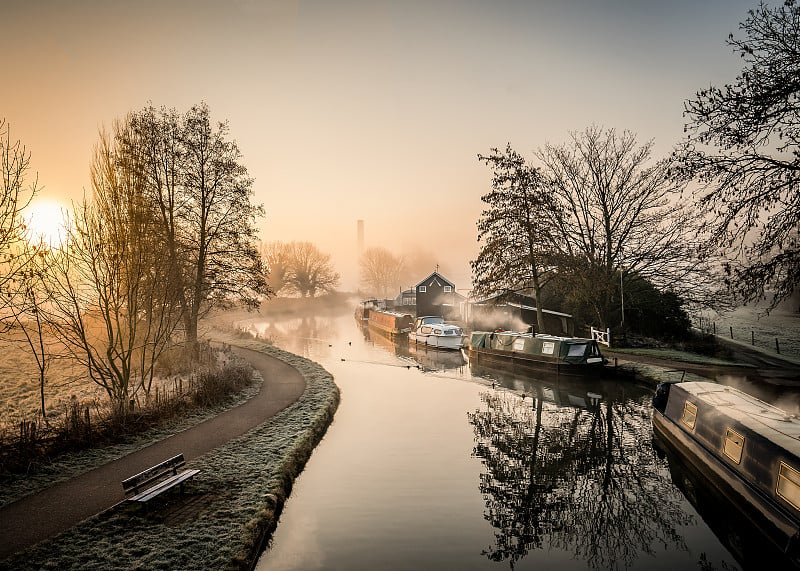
227 514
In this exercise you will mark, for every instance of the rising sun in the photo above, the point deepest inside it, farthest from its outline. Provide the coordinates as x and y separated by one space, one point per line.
46 222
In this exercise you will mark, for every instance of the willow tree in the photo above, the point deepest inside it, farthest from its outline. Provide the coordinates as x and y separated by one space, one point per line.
743 150
517 231
299 268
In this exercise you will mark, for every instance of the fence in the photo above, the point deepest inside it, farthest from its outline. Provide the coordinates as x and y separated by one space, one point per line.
764 337
602 337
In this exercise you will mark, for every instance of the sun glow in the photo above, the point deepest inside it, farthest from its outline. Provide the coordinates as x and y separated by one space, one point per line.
46 222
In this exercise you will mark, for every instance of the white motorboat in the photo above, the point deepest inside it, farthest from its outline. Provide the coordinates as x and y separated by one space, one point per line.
434 332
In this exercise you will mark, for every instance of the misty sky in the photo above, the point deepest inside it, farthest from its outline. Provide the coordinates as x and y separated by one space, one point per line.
361 109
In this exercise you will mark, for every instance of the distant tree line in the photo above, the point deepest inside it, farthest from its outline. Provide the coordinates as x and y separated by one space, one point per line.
597 228
167 234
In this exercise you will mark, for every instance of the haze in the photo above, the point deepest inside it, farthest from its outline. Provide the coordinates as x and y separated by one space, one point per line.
361 110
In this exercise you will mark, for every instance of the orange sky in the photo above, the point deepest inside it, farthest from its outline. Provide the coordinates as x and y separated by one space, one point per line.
370 110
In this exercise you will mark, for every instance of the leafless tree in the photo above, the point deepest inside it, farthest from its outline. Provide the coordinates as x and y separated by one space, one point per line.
518 230
622 215
381 272
15 195
743 149
202 191
113 305
275 256
300 268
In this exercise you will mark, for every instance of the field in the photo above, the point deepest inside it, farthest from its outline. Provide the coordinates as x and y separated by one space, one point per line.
752 325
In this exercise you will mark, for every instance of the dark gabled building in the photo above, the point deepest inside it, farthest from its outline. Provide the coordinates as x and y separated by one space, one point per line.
436 295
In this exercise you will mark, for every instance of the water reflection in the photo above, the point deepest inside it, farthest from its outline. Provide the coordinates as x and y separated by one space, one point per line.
427 359
567 470
298 335
748 542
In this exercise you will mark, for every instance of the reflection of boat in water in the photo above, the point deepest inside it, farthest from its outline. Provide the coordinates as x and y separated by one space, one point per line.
390 323
434 359
748 449
577 391
742 537
424 357
433 331
525 351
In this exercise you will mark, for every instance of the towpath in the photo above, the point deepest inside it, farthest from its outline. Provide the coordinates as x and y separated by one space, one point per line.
53 510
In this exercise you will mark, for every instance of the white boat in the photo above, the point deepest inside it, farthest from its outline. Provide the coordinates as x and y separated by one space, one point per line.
434 332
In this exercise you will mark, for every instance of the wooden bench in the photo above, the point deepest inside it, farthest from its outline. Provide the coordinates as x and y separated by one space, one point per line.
162 476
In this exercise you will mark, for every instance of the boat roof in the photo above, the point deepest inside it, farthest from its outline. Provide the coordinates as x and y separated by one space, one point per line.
539 336
761 417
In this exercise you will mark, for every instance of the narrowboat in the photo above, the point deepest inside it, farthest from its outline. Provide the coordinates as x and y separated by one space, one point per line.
362 310
390 323
521 351
434 332
748 448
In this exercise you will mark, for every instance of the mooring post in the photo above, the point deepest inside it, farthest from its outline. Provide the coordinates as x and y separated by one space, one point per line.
777 347
752 337
714 327
731 328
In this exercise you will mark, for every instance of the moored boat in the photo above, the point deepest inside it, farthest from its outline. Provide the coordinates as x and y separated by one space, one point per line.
748 448
520 351
390 323
434 332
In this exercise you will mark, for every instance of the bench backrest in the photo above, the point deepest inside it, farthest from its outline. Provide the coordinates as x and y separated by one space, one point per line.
150 475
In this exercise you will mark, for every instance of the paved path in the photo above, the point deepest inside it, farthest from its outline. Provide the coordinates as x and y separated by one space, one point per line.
49 512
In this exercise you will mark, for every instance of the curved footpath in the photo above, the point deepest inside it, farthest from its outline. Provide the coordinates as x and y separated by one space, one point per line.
49 512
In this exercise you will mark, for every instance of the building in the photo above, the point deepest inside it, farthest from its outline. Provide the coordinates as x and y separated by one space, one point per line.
516 312
436 295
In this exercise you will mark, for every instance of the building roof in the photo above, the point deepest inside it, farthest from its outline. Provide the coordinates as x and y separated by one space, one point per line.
512 299
440 277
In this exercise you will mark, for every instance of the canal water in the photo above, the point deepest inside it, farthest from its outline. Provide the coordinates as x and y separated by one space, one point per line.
430 464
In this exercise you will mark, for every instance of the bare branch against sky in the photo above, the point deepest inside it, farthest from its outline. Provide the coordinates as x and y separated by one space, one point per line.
346 107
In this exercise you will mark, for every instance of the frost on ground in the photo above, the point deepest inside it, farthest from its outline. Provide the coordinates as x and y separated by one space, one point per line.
16 486
243 486
751 325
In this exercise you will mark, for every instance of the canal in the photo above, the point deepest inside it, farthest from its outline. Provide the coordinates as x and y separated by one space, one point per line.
432 465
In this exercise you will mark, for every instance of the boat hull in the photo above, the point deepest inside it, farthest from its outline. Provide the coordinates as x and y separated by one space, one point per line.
776 524
451 342
521 362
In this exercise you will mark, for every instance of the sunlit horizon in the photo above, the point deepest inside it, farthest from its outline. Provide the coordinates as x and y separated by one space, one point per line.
46 222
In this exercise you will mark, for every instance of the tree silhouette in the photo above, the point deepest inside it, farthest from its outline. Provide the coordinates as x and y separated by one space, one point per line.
743 149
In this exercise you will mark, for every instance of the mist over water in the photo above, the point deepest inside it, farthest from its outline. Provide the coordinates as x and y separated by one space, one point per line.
430 464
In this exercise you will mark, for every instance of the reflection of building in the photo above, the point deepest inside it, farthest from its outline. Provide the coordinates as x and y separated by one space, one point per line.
514 311
436 295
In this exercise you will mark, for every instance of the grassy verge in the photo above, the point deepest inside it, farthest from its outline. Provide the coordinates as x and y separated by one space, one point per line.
232 509
16 486
668 354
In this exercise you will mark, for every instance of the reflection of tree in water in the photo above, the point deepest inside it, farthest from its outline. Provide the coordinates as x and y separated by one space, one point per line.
574 479
296 334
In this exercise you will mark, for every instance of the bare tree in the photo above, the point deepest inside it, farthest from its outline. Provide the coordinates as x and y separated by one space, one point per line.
381 272
195 177
743 149
518 230
309 272
275 256
113 306
15 194
621 216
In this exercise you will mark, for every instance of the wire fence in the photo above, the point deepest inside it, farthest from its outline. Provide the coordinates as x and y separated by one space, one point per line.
777 333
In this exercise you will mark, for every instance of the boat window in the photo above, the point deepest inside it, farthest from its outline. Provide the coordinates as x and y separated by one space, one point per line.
437 331
422 289
689 414
548 347
519 344
426 329
577 350
789 485
734 443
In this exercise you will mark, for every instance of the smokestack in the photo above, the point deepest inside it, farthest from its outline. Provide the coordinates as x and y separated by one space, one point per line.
360 234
